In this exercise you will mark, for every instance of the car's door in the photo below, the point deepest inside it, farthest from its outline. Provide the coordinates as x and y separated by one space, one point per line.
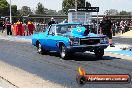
51 38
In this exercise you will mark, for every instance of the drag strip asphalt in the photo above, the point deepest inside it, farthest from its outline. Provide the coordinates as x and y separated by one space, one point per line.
51 67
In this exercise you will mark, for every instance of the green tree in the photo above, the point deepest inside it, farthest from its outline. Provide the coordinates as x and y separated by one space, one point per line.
125 13
51 12
81 3
88 4
70 4
60 12
67 4
14 10
24 11
4 6
111 12
40 9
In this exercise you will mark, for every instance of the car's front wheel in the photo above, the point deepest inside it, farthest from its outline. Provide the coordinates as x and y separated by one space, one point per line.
64 53
40 49
99 53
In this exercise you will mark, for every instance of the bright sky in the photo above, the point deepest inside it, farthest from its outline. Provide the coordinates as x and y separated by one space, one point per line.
57 4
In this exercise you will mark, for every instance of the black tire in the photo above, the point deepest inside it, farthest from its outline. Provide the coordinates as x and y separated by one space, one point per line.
40 49
64 54
99 53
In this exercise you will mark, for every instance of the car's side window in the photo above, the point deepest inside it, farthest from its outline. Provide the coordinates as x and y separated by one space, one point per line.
52 30
64 29
58 29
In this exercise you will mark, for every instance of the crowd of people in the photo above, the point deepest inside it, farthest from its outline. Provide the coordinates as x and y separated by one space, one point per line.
111 28
121 27
17 28
118 27
106 26
21 29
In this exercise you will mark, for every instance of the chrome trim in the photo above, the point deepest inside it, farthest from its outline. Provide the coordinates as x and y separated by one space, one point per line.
91 45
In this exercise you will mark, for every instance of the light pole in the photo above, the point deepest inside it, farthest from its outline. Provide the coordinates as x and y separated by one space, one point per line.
97 24
76 10
10 13
85 14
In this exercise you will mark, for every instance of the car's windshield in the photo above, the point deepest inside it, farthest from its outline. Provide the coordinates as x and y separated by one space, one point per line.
62 29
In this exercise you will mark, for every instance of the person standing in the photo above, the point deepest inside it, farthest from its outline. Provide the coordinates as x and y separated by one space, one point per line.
122 25
106 29
114 29
1 26
30 27
19 28
8 27
51 22
4 26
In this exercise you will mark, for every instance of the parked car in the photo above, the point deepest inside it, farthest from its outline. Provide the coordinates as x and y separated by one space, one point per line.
68 38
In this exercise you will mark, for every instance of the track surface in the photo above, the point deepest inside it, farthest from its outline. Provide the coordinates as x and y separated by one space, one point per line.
52 67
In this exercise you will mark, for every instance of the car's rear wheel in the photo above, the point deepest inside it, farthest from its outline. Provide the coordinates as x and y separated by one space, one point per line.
99 53
64 53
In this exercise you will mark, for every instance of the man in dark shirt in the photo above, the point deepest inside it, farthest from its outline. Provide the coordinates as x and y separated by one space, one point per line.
106 29
51 22
1 26
8 27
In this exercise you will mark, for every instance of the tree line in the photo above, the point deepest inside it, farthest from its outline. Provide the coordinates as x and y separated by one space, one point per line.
116 12
40 9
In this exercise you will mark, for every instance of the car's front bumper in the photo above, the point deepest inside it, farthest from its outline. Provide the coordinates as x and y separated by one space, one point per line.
83 48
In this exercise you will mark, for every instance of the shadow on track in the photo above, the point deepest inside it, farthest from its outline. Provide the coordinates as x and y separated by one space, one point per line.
83 57
90 57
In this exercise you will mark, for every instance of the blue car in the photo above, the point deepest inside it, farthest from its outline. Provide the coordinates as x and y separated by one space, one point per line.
68 38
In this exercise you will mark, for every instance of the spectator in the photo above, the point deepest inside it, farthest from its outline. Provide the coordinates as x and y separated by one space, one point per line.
38 28
106 29
8 27
122 25
118 27
1 26
30 27
94 27
4 26
114 29
19 26
51 22
126 26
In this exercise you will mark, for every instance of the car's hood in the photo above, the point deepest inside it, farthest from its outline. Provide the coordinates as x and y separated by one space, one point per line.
79 32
